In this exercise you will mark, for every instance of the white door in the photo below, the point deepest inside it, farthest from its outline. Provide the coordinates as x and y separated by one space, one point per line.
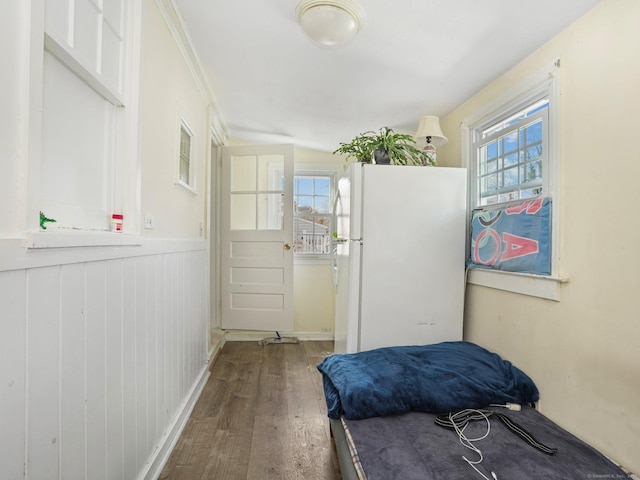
256 237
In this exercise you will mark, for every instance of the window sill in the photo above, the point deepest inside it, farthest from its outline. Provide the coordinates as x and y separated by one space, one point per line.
183 186
540 286
80 239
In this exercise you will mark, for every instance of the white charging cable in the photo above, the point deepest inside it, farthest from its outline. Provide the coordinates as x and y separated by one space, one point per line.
468 442
516 407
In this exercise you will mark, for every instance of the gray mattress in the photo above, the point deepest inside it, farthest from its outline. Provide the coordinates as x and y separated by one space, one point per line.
411 446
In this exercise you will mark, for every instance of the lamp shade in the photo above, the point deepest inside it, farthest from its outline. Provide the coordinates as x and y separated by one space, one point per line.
330 23
429 126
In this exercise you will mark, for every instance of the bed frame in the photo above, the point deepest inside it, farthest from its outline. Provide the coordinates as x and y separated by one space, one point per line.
350 467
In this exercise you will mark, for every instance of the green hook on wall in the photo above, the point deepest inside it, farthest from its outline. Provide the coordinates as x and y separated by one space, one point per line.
44 219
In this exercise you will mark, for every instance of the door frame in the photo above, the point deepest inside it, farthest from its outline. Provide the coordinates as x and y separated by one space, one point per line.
284 235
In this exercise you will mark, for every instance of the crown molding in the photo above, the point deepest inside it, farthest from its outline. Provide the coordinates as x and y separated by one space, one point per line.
173 19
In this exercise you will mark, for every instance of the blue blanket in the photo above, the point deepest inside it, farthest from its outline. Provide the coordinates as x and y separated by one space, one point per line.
436 378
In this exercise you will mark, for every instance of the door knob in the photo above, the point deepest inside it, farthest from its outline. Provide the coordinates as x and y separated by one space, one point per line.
287 246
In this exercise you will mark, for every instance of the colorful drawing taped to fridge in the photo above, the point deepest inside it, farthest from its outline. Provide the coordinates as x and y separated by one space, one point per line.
514 238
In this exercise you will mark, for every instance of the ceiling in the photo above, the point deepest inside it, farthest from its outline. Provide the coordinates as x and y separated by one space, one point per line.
412 58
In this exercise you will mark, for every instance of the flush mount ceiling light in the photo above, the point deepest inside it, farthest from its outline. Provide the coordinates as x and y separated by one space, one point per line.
330 23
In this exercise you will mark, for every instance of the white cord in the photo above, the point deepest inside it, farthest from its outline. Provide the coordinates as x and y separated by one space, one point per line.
468 442
516 407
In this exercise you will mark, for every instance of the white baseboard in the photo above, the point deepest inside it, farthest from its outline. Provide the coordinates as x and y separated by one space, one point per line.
163 450
248 336
217 337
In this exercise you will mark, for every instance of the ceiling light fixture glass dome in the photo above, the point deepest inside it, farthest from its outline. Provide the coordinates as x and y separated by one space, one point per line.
330 23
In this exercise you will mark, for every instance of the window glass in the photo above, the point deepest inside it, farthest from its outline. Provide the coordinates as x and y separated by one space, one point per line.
312 214
185 156
510 156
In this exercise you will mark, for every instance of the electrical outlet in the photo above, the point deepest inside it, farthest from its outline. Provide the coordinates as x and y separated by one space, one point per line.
148 222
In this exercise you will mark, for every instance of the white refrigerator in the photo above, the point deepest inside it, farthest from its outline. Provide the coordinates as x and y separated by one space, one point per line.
399 256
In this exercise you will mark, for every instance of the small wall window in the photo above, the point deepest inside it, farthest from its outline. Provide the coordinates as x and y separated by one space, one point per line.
185 155
314 190
312 222
186 168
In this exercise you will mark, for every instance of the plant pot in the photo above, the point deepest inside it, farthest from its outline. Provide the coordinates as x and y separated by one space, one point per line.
381 157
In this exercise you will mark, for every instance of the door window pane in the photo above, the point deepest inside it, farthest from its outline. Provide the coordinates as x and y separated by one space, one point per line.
270 211
243 173
257 188
243 211
270 168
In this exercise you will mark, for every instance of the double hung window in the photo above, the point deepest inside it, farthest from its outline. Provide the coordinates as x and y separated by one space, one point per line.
511 151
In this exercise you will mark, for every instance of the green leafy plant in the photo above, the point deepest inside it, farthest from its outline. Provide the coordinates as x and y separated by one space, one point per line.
386 146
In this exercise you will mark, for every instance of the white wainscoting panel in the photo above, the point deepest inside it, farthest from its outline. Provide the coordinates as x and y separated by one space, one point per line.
13 369
99 360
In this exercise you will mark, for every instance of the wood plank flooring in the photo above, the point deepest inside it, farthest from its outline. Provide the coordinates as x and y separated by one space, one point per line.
261 415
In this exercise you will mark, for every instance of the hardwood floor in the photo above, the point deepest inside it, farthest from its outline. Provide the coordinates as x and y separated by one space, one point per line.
262 415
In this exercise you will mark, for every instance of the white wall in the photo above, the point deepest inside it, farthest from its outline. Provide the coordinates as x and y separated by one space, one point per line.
170 92
14 41
103 349
582 351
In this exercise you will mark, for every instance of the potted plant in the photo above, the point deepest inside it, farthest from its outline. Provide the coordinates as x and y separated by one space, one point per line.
384 147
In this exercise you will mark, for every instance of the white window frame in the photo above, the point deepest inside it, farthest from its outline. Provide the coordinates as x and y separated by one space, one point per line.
320 170
543 83
122 92
191 185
